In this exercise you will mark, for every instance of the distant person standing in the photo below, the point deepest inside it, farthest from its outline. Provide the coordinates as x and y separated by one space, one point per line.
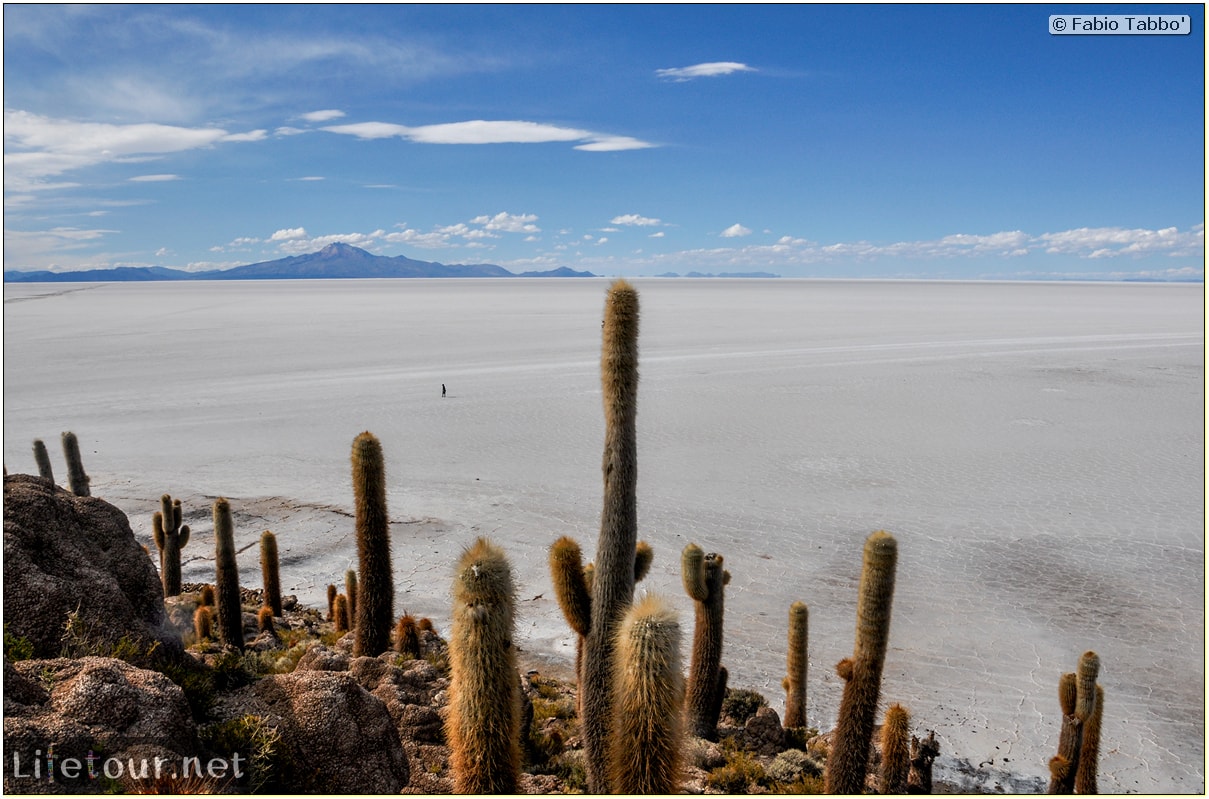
442 389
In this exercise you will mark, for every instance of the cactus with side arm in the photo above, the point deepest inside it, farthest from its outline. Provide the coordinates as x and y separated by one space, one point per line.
170 538
704 582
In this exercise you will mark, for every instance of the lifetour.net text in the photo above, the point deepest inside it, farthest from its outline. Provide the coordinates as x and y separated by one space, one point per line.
48 766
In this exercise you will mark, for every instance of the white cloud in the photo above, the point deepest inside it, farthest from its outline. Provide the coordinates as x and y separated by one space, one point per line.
711 69
601 240
39 147
289 234
480 131
635 219
322 116
734 231
658 235
509 223
286 130
153 178
311 178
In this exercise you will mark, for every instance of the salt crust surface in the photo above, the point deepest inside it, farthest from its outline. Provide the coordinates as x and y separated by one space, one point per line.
1037 450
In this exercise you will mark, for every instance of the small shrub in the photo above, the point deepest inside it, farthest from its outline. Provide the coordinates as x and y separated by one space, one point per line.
741 770
741 704
196 680
792 764
17 647
258 742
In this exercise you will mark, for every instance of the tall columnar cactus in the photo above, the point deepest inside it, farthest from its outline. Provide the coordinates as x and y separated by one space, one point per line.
613 585
863 671
1089 751
43 460
795 679
264 621
75 467
226 577
350 593
648 697
376 593
896 750
1079 698
207 595
704 581
170 538
331 602
483 724
269 572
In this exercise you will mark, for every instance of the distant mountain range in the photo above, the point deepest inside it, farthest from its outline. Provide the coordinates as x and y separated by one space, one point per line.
332 262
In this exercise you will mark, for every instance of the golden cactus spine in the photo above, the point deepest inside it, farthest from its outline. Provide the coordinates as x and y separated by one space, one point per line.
375 600
896 750
42 458
76 477
170 538
863 671
483 723
795 663
226 577
613 585
350 593
649 698
704 581
1089 749
331 602
270 573
207 595
1078 697
264 621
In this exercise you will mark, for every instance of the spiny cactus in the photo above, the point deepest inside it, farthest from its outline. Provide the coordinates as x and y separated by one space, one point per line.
648 697
425 624
331 602
483 723
170 538
203 623
350 593
43 460
376 592
1078 696
1089 750
795 679
613 586
264 620
704 581
269 573
896 750
863 671
207 595
407 637
75 467
230 615
340 613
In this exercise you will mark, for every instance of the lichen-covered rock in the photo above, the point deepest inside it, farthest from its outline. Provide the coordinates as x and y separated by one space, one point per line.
322 658
98 706
64 553
763 733
337 737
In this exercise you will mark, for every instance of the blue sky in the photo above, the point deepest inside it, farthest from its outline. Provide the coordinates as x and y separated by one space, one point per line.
829 141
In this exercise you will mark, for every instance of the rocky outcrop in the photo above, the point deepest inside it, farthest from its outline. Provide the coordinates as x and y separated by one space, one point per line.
65 554
98 707
336 736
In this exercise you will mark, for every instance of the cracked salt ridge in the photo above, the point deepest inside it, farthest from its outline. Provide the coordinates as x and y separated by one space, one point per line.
1021 545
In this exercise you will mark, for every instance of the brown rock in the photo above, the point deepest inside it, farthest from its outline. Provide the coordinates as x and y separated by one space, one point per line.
763 733
92 705
338 737
63 553
322 658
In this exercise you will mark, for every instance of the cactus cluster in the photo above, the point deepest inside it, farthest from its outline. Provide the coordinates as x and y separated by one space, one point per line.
1074 768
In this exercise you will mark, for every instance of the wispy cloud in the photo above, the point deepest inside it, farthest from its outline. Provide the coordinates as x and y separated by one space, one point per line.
480 131
153 178
475 233
735 231
635 219
322 116
39 147
711 69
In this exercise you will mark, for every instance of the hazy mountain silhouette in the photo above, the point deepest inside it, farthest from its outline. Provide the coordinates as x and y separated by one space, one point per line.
332 262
